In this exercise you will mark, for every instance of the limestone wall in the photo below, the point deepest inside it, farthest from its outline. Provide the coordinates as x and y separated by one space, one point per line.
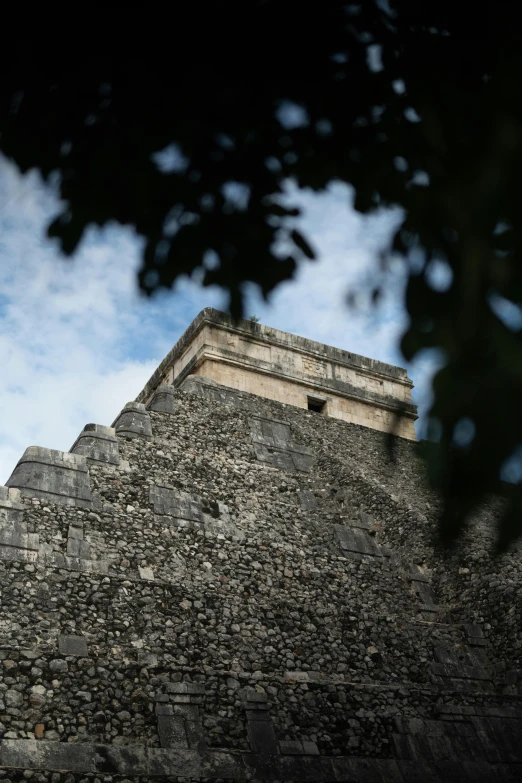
288 368
297 393
246 590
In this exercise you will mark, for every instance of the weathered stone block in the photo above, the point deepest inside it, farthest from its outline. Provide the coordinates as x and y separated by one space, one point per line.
171 730
356 540
273 443
16 544
185 511
11 507
113 760
297 676
270 432
195 384
134 422
174 503
163 400
97 443
55 476
17 537
474 634
418 575
195 736
68 562
363 521
259 723
307 500
302 462
425 593
445 654
191 688
251 697
163 709
73 645
178 717
260 713
261 736
9 554
78 548
273 456
460 671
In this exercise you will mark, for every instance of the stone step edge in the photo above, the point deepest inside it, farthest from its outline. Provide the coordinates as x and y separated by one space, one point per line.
137 760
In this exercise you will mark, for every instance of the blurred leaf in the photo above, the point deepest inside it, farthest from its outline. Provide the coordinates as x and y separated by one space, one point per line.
302 244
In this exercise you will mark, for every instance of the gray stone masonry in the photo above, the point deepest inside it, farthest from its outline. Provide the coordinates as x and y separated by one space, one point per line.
273 443
97 443
210 390
133 422
16 542
163 400
11 507
56 476
251 593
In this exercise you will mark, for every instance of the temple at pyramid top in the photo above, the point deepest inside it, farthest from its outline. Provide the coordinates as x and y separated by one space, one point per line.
257 359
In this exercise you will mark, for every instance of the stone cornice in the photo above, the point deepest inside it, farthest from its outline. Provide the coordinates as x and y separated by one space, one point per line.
269 336
322 385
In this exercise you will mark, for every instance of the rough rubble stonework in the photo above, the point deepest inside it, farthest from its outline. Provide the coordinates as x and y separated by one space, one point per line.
245 590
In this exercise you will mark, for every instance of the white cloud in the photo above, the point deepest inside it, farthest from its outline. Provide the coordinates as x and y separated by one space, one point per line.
315 303
77 341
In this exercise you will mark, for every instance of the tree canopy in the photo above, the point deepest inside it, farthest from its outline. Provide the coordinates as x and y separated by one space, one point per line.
188 126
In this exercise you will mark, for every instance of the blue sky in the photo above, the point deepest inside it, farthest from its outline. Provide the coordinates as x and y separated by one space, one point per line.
77 341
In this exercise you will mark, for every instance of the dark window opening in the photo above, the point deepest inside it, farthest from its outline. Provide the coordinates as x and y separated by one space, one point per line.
317 406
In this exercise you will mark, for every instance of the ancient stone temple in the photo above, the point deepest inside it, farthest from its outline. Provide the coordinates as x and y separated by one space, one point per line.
238 581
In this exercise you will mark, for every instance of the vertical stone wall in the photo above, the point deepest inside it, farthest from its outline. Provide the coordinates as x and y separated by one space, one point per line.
227 588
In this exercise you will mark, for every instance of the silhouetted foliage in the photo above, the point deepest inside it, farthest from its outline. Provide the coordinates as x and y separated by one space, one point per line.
188 127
